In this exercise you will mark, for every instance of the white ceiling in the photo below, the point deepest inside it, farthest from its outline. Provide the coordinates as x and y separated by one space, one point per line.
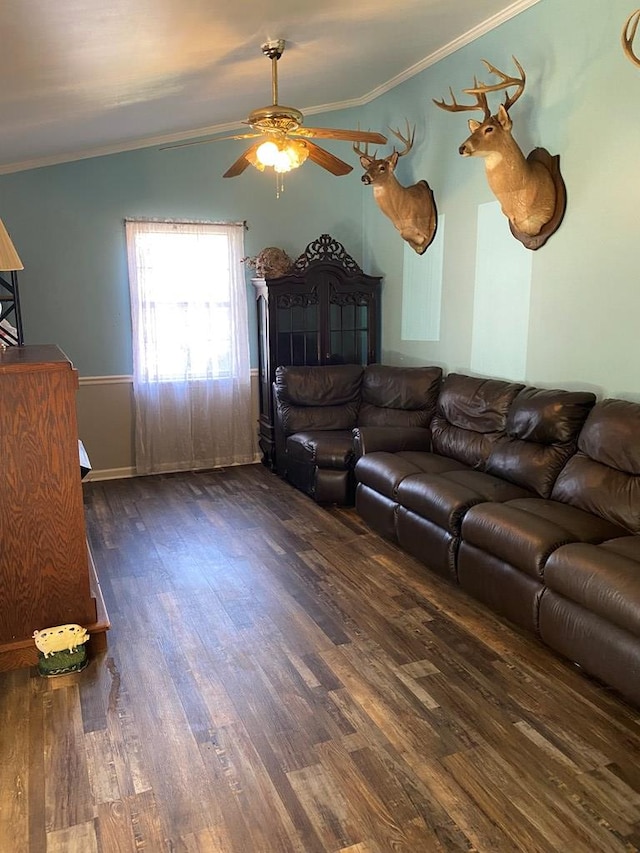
86 77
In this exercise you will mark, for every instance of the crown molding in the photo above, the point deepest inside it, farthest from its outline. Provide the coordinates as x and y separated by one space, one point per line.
459 42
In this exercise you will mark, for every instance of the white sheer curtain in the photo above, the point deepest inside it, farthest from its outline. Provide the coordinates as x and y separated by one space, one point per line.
191 369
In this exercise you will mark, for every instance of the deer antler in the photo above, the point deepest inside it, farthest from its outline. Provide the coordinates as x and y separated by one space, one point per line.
365 153
628 35
454 107
480 91
408 139
505 83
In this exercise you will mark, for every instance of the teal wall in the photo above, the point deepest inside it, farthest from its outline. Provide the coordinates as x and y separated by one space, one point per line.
575 302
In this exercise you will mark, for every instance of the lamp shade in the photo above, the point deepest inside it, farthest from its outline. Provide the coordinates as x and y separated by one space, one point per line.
9 258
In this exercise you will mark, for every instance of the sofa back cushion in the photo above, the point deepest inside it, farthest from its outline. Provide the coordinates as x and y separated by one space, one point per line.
398 396
471 415
603 477
540 435
318 398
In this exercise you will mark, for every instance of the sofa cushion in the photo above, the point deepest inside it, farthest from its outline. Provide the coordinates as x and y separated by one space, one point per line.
398 396
604 579
548 416
384 471
445 498
323 448
526 531
624 546
540 435
372 439
603 477
611 435
334 385
315 418
318 398
431 463
470 415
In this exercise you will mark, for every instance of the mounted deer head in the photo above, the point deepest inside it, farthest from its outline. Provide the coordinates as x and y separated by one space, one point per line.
411 209
628 35
525 187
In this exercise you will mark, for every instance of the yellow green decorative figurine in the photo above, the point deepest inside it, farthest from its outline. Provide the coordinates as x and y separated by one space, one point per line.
61 649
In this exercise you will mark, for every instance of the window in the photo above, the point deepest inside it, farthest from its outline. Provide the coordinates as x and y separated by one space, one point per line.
190 344
184 285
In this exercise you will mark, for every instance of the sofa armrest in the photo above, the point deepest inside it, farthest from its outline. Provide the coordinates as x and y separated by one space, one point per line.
392 439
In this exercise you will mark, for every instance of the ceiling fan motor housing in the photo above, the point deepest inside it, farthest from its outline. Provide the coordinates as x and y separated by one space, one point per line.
275 119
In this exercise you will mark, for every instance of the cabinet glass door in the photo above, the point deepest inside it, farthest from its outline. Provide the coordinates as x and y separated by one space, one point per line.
348 331
297 338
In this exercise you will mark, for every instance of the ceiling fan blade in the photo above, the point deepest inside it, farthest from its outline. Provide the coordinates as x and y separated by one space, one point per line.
326 160
241 163
236 136
205 141
339 133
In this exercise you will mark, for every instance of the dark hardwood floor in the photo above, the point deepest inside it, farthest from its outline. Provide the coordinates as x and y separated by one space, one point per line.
281 680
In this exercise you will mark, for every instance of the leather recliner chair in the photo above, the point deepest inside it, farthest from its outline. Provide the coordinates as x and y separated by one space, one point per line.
318 408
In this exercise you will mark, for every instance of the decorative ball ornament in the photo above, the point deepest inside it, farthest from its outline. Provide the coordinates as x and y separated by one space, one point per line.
271 262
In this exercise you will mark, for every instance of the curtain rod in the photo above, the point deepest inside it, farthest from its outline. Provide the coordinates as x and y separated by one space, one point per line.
164 221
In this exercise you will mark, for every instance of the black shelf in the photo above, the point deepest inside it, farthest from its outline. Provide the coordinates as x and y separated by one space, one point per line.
10 311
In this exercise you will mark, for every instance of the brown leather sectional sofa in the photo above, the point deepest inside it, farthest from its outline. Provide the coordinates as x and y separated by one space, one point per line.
527 498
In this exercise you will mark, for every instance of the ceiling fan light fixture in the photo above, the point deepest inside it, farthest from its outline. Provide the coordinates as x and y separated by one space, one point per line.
295 153
283 155
267 153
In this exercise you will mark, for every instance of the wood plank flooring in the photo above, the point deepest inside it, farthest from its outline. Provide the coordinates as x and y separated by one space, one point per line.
281 680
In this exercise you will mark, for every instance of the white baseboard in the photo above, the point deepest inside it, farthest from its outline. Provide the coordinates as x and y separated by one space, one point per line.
110 474
122 473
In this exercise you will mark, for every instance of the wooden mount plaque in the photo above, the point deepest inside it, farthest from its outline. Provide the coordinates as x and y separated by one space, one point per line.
552 164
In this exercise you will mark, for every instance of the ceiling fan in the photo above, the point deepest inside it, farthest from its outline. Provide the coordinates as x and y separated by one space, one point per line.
282 141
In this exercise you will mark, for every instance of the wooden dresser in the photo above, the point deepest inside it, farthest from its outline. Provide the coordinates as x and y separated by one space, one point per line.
47 576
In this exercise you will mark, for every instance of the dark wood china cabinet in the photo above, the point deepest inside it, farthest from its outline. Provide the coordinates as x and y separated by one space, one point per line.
325 311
